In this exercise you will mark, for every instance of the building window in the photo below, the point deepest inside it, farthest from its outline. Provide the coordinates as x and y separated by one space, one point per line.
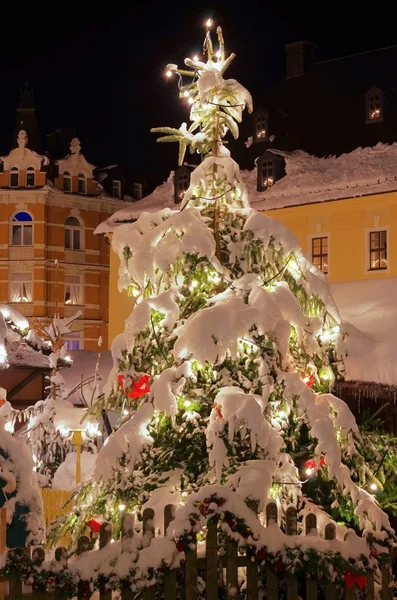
320 253
67 182
14 177
377 250
30 178
73 234
21 287
22 229
260 126
182 182
73 341
73 289
266 174
81 183
374 105
117 188
137 191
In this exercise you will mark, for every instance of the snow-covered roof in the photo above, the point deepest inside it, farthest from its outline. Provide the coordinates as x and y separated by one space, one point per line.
311 179
368 309
14 348
308 179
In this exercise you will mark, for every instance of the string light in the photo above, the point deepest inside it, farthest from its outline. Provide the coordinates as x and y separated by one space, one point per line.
218 54
168 73
190 100
195 58
121 507
194 283
68 358
309 471
187 403
186 94
209 23
126 412
373 487
135 293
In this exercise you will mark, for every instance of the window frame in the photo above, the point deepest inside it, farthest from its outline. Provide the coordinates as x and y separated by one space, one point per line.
72 229
73 284
374 92
14 171
369 250
73 336
180 193
118 182
30 171
81 178
24 226
320 235
262 116
67 176
135 187
270 178
21 283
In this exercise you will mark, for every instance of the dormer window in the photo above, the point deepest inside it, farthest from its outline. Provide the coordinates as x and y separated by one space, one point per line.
117 188
137 193
67 182
81 183
181 183
374 105
14 177
30 179
270 167
261 123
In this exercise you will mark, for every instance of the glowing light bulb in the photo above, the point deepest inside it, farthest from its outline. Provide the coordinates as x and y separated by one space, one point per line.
135 293
190 100
121 507
186 94
218 54
126 412
216 279
9 427
184 494
68 358
282 414
373 487
209 23
187 403
195 58
194 283
325 376
309 471
168 73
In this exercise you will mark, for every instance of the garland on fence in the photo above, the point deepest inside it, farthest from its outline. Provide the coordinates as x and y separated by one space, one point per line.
326 566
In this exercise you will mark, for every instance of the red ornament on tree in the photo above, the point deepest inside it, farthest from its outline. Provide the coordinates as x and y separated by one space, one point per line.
94 525
309 380
139 388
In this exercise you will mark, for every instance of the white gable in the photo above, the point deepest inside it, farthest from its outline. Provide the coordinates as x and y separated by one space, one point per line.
75 163
23 157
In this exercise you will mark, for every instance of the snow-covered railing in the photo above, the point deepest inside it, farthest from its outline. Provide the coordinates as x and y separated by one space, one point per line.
210 569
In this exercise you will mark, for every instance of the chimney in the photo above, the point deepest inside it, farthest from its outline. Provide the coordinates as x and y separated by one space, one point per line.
299 57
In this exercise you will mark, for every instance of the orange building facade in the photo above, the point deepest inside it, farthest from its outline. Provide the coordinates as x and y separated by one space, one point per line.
50 260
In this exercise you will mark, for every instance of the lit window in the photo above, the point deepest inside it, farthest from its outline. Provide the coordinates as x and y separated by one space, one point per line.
22 229
81 185
14 177
267 174
67 182
73 289
73 234
182 184
72 341
117 188
137 191
261 127
377 250
30 179
21 287
374 107
320 253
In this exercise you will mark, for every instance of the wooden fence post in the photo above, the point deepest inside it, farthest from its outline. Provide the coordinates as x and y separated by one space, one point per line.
61 557
169 574
387 590
271 513
127 533
211 560
191 570
38 557
149 593
330 534
291 580
231 570
252 566
105 537
83 545
271 577
311 580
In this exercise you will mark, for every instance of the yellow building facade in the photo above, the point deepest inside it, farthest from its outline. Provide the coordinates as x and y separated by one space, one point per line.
50 260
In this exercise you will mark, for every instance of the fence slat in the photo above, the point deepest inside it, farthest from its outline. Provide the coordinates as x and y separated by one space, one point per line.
105 536
310 524
350 594
191 571
231 570
39 590
330 588
149 593
212 561
252 578
127 533
387 590
311 588
369 590
292 587
271 584
169 574
83 544
291 518
271 513
61 557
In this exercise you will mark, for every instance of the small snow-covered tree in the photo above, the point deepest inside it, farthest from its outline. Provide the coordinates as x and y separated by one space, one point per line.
229 355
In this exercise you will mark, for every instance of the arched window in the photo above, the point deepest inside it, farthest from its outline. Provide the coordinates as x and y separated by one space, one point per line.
30 179
266 174
374 105
261 125
22 229
81 186
14 177
73 234
181 183
67 182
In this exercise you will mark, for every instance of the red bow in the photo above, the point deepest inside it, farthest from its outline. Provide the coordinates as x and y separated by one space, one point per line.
311 464
309 380
139 388
350 579
94 525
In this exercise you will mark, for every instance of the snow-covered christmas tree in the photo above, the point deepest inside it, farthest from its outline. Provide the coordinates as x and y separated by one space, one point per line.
223 375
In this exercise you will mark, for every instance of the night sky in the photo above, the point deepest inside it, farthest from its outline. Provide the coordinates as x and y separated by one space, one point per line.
102 70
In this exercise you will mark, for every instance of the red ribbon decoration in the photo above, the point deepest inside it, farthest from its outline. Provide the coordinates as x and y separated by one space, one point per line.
311 463
94 525
139 388
351 579
309 380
